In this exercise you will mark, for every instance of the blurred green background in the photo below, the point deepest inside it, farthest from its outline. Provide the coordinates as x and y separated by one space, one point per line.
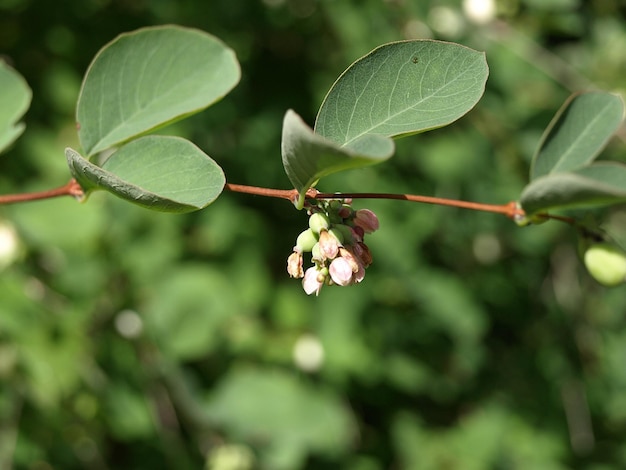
138 340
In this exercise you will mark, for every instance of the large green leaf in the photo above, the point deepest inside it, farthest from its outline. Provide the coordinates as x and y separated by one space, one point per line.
158 172
402 88
148 78
308 156
602 183
15 96
578 132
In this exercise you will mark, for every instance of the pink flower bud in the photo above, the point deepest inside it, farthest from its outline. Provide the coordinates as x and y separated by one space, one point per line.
340 271
360 274
329 245
312 282
357 234
345 211
364 254
294 265
367 220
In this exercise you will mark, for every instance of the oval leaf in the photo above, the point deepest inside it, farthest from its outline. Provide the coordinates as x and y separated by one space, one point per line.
307 156
15 96
148 78
577 133
403 88
602 183
157 172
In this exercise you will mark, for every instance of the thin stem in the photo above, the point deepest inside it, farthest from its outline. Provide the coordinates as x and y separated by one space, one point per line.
72 188
288 194
510 209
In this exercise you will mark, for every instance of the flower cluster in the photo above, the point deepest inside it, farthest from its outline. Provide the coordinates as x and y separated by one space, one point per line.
335 240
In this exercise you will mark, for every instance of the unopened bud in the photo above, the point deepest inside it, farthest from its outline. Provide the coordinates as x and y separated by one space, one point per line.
319 222
358 233
365 254
367 220
306 240
606 263
345 211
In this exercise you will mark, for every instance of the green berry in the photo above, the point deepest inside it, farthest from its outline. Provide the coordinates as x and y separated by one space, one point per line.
606 263
319 222
306 240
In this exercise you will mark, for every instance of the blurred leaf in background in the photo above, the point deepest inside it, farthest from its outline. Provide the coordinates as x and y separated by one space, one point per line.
133 339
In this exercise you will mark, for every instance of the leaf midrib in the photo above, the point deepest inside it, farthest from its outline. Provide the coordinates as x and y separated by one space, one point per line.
189 77
395 115
574 143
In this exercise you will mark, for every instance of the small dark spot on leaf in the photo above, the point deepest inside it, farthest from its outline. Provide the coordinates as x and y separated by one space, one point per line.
415 59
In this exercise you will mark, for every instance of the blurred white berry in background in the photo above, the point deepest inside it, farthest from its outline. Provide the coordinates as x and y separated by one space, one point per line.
308 353
9 244
129 324
479 11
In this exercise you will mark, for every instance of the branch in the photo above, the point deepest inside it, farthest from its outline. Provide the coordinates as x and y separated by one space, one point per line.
511 210
72 188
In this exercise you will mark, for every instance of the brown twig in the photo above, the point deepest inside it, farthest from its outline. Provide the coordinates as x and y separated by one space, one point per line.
72 188
511 210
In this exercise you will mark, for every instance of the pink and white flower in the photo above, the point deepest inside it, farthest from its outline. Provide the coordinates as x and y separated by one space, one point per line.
313 281
340 271
329 245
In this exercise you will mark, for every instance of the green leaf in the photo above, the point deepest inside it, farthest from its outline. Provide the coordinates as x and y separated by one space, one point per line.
157 172
307 156
15 96
577 133
148 78
602 183
402 88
